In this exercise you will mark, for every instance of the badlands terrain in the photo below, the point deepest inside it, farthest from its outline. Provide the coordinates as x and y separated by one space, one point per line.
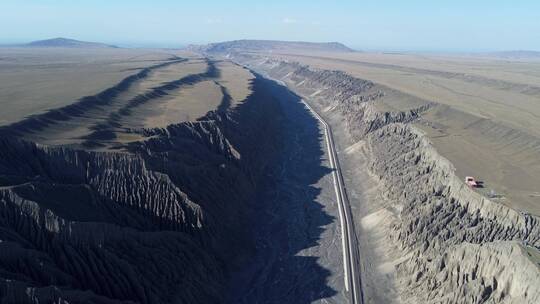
409 128
201 176
481 114
160 176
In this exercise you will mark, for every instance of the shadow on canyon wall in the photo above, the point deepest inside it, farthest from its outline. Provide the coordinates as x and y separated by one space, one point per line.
289 219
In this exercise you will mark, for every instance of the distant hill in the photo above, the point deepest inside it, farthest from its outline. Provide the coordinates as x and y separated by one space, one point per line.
519 54
68 43
270 45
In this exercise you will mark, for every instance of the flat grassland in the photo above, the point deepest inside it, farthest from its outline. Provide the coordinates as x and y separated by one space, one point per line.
484 118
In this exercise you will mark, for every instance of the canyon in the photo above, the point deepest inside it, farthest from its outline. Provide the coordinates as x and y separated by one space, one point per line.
201 176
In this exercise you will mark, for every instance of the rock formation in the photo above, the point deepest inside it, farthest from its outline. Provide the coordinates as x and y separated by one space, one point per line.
461 246
161 221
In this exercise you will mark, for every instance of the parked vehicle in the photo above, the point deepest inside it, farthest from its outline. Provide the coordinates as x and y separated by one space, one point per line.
471 182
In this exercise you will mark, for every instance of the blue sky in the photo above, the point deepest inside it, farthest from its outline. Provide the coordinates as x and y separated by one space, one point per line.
457 25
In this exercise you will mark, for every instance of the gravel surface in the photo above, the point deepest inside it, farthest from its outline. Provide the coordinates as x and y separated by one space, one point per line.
298 257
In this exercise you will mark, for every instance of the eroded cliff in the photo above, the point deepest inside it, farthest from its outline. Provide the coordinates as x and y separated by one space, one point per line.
458 246
161 220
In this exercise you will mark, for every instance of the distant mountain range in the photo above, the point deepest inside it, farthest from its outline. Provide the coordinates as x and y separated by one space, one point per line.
518 54
67 43
269 45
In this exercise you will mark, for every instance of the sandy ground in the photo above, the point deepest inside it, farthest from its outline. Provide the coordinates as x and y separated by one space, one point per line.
372 218
486 118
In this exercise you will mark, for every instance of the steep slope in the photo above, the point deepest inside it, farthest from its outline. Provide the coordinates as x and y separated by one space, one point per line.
456 246
160 222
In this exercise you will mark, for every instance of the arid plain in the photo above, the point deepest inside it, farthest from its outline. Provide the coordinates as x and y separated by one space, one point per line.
483 115
36 81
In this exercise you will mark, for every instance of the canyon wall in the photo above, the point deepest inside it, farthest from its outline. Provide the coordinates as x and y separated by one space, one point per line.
460 246
161 221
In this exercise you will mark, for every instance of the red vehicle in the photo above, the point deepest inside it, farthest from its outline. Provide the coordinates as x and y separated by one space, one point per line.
471 182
